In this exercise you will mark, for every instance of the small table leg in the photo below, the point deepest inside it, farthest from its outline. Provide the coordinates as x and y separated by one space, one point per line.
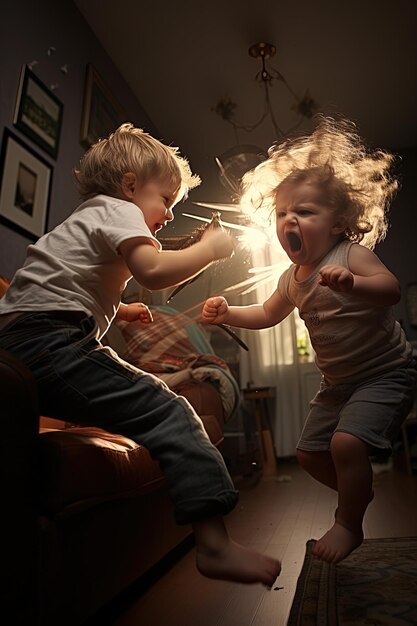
260 396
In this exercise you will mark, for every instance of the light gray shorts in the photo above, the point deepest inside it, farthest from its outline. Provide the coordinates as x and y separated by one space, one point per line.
372 410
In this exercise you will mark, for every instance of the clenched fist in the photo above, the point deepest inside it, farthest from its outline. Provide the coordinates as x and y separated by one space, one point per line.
134 312
220 242
337 278
215 310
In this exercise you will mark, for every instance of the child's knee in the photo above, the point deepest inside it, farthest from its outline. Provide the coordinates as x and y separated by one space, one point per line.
344 446
304 458
314 460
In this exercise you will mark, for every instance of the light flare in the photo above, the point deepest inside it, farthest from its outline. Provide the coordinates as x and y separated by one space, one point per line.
251 238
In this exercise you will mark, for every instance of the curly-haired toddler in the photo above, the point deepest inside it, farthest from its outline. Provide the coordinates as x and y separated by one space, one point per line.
329 196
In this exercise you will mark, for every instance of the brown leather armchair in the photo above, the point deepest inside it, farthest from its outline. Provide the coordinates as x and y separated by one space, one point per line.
86 512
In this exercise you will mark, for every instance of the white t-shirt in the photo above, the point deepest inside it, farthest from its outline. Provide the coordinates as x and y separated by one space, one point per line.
77 266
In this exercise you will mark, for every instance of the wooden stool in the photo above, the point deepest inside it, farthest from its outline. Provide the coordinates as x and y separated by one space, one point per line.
259 396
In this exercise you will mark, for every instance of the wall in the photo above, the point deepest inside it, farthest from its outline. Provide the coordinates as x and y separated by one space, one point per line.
399 250
27 30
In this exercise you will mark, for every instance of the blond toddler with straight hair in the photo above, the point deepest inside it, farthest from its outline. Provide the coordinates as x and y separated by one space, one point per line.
61 302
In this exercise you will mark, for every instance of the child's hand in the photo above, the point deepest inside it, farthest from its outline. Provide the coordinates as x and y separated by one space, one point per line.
221 244
215 310
337 278
136 311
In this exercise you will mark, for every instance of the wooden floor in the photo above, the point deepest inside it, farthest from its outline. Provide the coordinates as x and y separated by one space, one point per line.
276 516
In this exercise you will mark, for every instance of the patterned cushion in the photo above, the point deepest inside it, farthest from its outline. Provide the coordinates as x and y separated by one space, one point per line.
171 343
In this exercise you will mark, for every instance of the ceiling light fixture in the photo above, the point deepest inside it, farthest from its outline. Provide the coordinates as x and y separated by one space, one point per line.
243 157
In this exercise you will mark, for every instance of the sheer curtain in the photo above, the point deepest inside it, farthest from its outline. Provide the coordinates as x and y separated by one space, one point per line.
272 360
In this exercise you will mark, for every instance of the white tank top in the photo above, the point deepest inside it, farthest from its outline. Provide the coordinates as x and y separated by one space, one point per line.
352 341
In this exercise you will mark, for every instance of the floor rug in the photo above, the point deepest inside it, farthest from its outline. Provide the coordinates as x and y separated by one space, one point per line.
376 585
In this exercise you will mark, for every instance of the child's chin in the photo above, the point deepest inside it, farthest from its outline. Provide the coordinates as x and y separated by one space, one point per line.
294 256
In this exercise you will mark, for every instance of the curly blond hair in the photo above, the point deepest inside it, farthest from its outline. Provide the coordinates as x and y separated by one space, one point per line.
358 181
131 149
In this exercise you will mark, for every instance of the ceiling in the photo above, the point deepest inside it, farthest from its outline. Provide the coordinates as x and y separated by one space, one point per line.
358 58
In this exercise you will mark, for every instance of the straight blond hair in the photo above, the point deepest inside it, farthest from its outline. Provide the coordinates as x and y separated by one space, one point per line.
131 149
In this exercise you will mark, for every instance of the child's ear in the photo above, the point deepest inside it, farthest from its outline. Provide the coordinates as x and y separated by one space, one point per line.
339 227
128 185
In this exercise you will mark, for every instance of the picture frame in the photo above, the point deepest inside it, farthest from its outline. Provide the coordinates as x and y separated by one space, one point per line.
38 112
101 113
26 180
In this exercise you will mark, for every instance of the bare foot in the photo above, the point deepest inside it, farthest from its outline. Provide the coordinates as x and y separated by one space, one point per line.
238 564
337 544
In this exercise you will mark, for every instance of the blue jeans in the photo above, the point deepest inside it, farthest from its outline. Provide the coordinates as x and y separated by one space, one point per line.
79 380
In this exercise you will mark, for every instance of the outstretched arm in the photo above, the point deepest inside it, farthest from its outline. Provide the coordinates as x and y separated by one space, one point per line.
367 278
158 269
217 311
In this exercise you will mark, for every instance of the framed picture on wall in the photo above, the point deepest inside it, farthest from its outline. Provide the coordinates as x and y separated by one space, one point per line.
38 113
25 188
102 113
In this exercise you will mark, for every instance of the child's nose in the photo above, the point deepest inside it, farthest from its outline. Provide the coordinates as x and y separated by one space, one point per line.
291 218
169 215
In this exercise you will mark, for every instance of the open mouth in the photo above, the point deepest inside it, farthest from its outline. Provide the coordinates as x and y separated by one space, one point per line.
294 241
